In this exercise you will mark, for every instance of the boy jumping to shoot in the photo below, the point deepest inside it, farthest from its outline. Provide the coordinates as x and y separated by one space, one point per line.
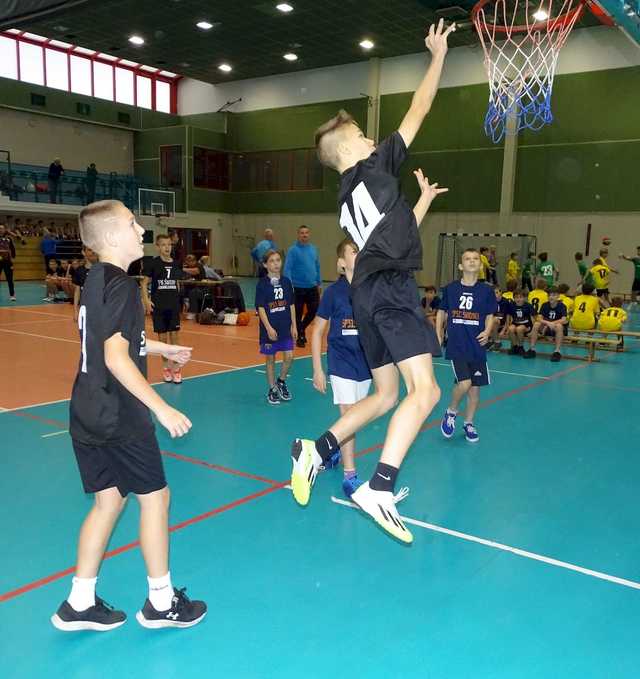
112 431
394 334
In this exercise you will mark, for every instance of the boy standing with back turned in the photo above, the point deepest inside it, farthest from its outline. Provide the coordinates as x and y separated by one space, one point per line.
386 304
112 432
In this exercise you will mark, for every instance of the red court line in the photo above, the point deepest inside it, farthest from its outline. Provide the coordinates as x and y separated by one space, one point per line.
37 418
276 486
217 467
132 545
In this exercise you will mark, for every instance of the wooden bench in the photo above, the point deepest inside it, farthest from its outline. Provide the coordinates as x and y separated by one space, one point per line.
590 343
601 336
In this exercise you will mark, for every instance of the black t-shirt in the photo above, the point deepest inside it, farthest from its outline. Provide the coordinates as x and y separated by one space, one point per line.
101 409
79 275
375 214
164 282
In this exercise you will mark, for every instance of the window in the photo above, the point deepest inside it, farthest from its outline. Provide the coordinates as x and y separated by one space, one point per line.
57 70
80 75
8 58
31 64
210 169
163 96
63 66
144 92
171 166
102 81
124 86
297 170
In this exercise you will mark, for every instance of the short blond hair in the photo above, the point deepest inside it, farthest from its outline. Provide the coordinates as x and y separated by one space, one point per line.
92 222
327 137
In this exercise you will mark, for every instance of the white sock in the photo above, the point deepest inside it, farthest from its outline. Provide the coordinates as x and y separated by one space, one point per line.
83 593
160 592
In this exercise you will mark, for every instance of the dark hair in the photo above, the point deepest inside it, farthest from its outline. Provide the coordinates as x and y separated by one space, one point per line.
430 288
464 252
553 290
482 249
578 256
513 254
616 301
302 226
512 285
495 286
519 293
268 254
342 246
543 256
563 288
162 236
541 284
597 261
587 288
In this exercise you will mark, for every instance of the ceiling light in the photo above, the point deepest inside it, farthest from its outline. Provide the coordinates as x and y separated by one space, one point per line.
290 56
136 40
204 25
367 44
284 7
225 68
540 15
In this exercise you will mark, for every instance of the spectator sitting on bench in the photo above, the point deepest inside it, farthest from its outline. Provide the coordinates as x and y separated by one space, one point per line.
53 280
586 309
550 323
612 319
209 272
431 303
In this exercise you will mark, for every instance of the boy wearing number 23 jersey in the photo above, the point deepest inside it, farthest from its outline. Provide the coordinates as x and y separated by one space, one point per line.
112 432
468 308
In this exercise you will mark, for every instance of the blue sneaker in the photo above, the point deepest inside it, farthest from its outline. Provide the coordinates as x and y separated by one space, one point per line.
349 486
448 424
332 462
470 433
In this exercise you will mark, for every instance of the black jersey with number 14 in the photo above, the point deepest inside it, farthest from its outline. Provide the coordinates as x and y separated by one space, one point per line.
101 409
376 215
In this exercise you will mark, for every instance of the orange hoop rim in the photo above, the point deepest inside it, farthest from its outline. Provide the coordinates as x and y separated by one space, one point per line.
562 20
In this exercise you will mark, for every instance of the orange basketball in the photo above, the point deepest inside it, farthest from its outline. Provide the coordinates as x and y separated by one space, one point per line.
243 318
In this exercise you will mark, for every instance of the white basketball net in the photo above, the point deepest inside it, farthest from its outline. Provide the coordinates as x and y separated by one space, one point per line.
521 40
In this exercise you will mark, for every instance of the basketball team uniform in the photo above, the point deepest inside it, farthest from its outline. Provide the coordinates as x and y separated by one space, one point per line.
347 366
385 297
547 271
568 303
552 313
276 297
112 431
503 310
513 270
611 319
537 298
165 294
523 315
600 274
467 308
508 295
585 311
79 275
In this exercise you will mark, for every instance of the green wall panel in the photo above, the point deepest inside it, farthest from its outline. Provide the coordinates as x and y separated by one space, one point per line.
455 121
208 138
17 94
472 177
287 128
598 177
216 122
593 106
146 143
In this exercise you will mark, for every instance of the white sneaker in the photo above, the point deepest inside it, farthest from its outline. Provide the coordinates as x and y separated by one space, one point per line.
381 506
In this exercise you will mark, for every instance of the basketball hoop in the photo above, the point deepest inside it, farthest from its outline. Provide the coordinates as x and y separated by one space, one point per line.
521 40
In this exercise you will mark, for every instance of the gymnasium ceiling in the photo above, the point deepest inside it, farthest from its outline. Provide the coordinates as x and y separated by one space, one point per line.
252 36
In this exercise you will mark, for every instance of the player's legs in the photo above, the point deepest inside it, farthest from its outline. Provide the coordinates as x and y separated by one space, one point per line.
8 272
533 338
287 360
460 390
348 446
154 531
299 298
473 399
96 531
270 368
559 334
312 299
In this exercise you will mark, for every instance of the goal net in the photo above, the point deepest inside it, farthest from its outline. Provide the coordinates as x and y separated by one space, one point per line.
452 245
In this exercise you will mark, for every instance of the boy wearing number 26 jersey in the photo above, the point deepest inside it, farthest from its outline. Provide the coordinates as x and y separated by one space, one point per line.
112 431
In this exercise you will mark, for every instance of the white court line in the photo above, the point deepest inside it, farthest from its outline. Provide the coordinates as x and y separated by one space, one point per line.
502 372
224 365
264 372
27 310
31 334
55 433
44 320
507 548
217 334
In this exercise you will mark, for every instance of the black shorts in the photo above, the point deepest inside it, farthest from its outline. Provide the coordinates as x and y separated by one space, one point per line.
528 327
546 331
391 323
635 286
602 292
166 320
132 466
476 371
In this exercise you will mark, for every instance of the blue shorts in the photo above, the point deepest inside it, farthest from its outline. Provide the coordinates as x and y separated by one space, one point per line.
476 371
271 348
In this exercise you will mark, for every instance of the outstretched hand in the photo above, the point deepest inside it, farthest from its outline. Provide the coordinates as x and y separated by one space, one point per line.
175 352
436 40
428 190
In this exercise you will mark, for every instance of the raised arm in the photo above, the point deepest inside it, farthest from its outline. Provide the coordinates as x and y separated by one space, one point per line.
427 193
436 42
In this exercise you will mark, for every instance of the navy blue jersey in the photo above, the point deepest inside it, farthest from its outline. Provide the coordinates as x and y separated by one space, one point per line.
504 309
467 308
275 296
434 305
345 355
522 315
550 313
